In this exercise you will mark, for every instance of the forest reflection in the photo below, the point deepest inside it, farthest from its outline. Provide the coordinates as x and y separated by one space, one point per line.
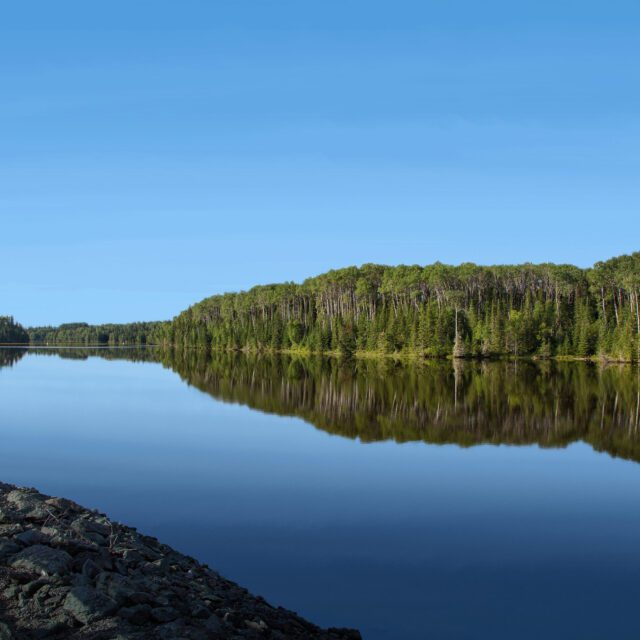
460 402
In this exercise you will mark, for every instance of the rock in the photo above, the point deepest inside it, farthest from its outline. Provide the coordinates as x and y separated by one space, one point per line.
132 556
8 530
43 560
115 586
199 611
62 566
164 614
28 504
87 605
137 615
213 624
256 626
7 548
31 588
83 526
11 592
31 537
90 569
50 628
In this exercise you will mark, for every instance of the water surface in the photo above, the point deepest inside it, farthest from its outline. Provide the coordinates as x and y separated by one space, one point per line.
438 501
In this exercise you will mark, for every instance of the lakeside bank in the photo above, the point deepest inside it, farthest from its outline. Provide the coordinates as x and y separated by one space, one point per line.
70 572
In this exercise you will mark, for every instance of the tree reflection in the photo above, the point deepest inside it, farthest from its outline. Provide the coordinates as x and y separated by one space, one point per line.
463 402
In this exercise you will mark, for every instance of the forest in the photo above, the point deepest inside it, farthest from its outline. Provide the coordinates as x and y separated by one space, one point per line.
81 333
543 310
538 310
12 332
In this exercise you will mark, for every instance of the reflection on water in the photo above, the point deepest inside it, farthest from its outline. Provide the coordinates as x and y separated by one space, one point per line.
462 402
465 403
414 541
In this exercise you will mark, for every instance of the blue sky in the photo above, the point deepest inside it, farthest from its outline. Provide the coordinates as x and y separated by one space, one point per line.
154 153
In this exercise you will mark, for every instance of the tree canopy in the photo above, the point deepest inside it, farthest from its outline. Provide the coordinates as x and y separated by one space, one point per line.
438 310
435 310
81 333
12 332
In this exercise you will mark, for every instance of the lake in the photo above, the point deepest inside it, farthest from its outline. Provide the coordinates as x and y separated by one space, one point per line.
441 500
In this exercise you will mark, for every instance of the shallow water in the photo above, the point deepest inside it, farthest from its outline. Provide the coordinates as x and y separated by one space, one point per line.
469 501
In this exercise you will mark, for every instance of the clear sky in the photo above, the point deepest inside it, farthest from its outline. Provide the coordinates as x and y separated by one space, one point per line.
153 153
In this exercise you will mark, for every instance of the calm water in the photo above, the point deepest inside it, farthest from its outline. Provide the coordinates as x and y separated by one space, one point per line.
475 501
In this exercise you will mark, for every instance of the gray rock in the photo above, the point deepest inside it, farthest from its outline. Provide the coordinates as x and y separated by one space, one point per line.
11 592
9 530
213 624
90 569
137 615
164 614
115 586
132 556
88 605
31 536
7 548
199 611
41 559
28 504
32 587
117 583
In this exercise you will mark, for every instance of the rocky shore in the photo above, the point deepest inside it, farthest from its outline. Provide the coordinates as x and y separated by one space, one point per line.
68 572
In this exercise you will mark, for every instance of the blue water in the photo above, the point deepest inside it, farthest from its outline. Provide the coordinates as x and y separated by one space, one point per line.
399 540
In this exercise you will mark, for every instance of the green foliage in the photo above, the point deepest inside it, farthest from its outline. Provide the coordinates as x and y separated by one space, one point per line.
12 332
543 310
540 310
135 333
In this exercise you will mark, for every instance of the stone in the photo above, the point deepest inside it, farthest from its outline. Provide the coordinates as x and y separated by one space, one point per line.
136 615
43 560
63 567
164 614
28 504
7 548
8 530
90 569
31 537
199 611
11 592
115 586
256 626
213 624
87 605
31 588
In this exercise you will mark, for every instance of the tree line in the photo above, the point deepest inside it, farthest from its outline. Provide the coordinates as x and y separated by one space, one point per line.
541 310
439 310
81 333
12 332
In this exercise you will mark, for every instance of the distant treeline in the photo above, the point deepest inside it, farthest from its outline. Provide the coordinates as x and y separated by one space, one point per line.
438 310
11 331
542 310
81 333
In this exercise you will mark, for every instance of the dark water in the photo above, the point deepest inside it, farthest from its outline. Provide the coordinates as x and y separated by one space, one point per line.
471 501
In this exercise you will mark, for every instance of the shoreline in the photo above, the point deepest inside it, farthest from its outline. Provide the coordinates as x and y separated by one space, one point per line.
70 572
357 355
